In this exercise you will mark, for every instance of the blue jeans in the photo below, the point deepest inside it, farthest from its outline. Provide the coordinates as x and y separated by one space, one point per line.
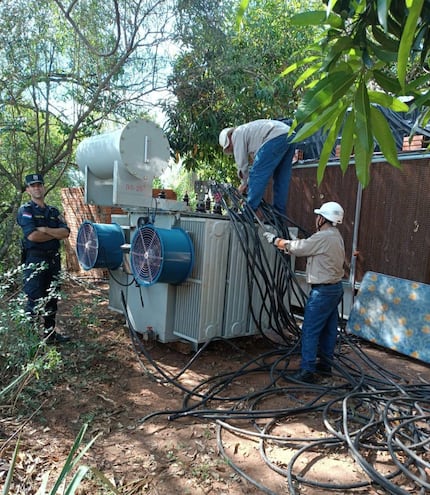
274 158
319 330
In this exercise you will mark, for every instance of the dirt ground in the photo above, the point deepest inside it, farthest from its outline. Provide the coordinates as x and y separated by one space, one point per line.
129 400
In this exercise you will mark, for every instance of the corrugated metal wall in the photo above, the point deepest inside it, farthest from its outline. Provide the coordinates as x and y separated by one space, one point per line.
393 213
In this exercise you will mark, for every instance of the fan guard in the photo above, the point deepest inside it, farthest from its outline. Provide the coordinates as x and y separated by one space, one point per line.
99 245
161 255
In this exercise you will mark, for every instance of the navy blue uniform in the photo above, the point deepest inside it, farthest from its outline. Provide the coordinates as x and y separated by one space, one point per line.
37 282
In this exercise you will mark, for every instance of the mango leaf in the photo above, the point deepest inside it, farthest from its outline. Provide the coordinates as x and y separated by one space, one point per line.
381 54
394 27
383 7
347 141
421 81
342 45
426 46
388 101
311 18
421 121
296 65
240 12
425 118
385 40
321 170
386 82
306 74
362 117
316 18
331 88
407 39
330 5
422 100
329 143
384 137
319 122
360 7
363 159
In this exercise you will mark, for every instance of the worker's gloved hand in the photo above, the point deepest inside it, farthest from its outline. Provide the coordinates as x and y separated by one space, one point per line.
270 238
243 189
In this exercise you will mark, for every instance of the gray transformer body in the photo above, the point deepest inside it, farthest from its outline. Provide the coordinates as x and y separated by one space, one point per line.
214 298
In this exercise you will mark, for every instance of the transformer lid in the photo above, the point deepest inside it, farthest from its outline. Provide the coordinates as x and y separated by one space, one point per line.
144 149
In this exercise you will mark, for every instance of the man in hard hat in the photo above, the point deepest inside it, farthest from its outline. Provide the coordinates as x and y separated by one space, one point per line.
325 253
43 227
265 145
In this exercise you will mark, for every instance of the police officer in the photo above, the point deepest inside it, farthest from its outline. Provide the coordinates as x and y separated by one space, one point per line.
43 227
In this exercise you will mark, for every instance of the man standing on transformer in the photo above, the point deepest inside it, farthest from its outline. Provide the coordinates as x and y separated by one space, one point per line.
266 146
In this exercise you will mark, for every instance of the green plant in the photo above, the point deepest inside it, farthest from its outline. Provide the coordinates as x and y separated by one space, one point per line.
171 456
84 312
72 468
20 345
23 356
202 471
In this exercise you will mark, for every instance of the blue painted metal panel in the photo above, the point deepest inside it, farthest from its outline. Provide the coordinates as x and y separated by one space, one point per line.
394 313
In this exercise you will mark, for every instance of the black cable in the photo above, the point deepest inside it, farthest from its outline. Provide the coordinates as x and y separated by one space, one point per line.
268 280
363 407
236 468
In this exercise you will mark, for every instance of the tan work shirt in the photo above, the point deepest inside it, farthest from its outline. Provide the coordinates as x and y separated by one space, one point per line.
248 138
325 253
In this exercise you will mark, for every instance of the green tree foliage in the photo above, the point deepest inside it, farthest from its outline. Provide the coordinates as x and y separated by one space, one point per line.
66 69
372 52
228 74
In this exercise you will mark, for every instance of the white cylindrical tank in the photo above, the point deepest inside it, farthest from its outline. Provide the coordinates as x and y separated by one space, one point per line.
140 147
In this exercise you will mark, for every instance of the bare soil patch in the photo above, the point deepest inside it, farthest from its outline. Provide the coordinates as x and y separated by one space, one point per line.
130 400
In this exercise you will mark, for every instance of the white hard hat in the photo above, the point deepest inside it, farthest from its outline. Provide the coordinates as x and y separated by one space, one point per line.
332 211
223 137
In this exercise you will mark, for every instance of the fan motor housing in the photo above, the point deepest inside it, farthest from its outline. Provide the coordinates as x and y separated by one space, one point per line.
161 255
98 245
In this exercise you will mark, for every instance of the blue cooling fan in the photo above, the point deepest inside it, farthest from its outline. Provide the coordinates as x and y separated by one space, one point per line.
161 255
99 245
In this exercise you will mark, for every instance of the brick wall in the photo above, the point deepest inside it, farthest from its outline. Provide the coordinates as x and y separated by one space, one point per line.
418 142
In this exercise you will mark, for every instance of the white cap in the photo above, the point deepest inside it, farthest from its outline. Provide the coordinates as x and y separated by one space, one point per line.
224 140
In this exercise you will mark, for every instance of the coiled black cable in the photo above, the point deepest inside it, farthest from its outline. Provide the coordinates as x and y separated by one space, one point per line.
363 410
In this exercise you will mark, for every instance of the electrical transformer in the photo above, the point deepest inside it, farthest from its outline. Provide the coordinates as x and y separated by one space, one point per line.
176 274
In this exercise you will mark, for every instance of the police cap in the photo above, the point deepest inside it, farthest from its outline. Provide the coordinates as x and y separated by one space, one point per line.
34 179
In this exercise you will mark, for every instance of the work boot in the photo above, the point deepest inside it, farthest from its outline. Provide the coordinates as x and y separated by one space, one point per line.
323 369
304 376
53 337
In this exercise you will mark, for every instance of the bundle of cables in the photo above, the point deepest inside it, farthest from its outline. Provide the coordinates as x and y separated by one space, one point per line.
363 411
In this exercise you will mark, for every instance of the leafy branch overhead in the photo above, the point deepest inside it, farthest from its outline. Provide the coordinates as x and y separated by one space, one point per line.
371 54
228 74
